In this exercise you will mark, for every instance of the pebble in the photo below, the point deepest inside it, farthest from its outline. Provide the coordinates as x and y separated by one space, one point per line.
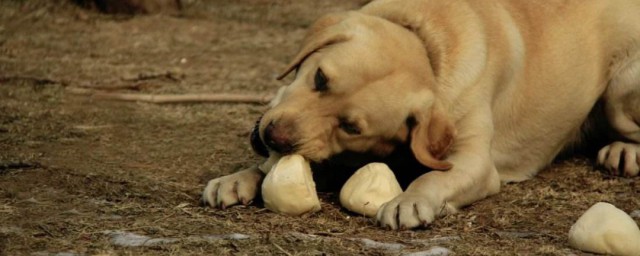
434 251
371 244
128 239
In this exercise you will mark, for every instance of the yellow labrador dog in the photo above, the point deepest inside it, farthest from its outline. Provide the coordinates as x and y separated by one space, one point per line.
482 92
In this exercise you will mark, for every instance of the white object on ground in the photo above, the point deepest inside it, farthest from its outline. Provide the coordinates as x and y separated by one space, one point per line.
289 188
128 239
433 251
371 244
368 188
605 229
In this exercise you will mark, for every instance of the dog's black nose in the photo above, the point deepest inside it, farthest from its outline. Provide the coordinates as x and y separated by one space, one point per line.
277 139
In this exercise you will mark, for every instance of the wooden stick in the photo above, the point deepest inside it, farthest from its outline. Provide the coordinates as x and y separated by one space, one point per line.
173 98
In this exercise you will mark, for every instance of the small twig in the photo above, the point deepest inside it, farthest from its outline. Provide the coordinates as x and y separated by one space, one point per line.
37 80
328 234
282 250
46 230
155 75
111 87
9 166
173 98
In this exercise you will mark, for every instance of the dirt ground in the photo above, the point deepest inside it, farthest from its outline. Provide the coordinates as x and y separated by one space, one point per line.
80 175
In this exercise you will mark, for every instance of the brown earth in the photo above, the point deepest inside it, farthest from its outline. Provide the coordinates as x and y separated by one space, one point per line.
73 168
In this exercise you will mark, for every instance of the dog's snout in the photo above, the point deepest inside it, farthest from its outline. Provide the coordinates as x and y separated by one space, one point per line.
277 139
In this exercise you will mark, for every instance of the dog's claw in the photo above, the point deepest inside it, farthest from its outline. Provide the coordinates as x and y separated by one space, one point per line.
203 202
620 159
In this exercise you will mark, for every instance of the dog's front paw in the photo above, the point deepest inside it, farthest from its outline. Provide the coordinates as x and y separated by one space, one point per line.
620 158
240 187
408 210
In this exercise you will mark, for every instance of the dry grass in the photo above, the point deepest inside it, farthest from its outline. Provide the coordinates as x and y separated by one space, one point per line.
72 168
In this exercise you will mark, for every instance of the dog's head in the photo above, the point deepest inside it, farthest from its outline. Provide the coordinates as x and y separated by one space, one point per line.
362 84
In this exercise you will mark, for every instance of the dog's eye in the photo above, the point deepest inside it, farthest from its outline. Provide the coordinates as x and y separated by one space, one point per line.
320 81
349 128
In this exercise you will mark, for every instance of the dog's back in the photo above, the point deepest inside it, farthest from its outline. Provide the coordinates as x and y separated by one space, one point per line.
546 64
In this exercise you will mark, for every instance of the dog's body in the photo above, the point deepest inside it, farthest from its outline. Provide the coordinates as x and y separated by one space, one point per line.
484 92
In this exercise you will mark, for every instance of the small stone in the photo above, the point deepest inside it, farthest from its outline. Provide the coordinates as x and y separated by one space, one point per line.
128 239
368 243
434 251
32 200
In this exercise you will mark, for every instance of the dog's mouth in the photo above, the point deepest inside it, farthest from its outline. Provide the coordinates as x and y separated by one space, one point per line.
256 142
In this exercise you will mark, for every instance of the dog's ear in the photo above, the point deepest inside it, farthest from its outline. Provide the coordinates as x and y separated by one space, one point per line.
431 137
322 33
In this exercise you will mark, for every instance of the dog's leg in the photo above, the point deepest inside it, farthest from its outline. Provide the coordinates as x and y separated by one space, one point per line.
437 193
622 107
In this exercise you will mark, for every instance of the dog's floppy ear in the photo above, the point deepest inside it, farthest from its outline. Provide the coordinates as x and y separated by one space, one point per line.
431 137
322 33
